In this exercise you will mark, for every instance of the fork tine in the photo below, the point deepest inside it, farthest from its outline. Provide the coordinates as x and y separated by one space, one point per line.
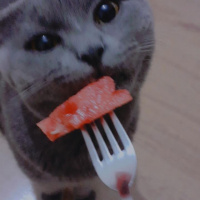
103 147
111 138
90 146
121 132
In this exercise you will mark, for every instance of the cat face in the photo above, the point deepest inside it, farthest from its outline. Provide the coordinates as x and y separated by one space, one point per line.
54 48
49 50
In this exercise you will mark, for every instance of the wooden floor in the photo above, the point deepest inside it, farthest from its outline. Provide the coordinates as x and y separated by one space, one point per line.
168 139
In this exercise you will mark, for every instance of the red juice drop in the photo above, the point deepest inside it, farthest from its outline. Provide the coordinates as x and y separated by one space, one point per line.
123 180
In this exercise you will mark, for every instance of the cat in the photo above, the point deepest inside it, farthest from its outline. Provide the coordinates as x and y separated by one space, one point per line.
49 50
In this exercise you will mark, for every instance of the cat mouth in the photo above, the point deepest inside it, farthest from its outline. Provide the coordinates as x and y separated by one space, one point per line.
42 103
120 76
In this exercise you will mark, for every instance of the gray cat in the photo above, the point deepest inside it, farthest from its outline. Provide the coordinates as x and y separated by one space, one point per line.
49 50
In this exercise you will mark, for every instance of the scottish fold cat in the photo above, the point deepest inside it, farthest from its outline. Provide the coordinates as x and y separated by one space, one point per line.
49 50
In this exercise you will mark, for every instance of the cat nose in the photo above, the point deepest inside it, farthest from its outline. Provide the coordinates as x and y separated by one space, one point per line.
93 56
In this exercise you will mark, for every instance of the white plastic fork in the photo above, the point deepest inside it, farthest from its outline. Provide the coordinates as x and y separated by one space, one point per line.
120 162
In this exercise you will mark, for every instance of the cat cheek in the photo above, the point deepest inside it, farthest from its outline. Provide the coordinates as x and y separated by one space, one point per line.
111 58
4 55
113 54
5 68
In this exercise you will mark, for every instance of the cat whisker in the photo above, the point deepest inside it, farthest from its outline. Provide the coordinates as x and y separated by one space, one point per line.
146 46
33 88
145 50
27 92
147 41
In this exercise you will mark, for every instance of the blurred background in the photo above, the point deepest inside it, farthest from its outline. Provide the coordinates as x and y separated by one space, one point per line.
168 138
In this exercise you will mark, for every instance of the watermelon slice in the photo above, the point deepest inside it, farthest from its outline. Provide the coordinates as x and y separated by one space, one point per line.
89 104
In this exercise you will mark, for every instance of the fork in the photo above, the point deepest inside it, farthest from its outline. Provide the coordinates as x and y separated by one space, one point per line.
112 165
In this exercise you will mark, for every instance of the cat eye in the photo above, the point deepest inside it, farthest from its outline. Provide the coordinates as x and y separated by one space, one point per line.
106 11
43 42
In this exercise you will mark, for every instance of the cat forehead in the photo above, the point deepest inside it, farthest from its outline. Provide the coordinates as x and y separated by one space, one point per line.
62 7
70 5
57 13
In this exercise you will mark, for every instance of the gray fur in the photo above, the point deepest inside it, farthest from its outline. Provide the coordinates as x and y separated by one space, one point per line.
33 83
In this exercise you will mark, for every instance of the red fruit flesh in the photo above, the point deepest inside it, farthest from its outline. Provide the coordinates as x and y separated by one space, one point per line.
89 104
